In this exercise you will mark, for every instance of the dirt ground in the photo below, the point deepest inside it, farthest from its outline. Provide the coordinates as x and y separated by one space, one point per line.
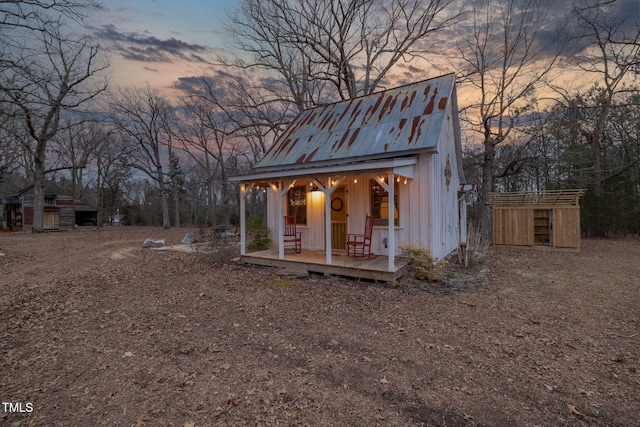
96 330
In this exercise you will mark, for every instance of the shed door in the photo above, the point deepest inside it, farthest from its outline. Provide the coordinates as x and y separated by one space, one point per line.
50 220
339 219
513 226
566 227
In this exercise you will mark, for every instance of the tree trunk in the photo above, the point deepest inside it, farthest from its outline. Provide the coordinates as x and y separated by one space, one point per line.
176 206
38 195
486 220
166 221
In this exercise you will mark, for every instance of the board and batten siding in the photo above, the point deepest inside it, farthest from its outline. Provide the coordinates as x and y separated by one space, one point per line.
566 230
445 205
515 226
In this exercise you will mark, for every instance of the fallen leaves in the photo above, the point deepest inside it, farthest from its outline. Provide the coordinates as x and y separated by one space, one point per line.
575 411
192 342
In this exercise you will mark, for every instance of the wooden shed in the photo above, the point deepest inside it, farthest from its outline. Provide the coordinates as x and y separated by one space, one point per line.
60 209
537 218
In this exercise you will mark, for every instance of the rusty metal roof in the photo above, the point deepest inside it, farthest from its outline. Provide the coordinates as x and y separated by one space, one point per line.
383 124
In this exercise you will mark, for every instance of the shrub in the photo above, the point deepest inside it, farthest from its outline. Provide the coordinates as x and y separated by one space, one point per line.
422 264
257 235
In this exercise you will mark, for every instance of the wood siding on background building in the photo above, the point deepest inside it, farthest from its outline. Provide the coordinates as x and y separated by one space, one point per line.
537 218
513 226
50 220
566 229
516 226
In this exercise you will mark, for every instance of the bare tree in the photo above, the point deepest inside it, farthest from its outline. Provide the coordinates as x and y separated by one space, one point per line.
10 152
504 61
38 83
31 14
76 148
226 125
327 49
113 171
208 137
142 115
610 54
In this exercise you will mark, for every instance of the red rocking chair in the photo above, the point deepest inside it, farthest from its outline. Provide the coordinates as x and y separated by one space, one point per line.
291 235
359 245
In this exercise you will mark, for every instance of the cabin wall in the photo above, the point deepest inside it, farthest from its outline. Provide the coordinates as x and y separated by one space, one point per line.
67 216
446 205
312 234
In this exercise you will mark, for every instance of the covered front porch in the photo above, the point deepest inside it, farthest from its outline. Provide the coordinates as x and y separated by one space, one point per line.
335 202
376 268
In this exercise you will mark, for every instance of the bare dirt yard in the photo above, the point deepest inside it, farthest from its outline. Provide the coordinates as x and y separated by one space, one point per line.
96 330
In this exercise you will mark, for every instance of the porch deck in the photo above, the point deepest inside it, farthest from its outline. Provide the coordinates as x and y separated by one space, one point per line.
341 264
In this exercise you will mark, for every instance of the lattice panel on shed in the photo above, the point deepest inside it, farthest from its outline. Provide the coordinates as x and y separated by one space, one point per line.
545 197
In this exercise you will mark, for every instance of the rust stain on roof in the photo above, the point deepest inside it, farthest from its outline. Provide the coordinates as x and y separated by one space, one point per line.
429 108
364 126
442 104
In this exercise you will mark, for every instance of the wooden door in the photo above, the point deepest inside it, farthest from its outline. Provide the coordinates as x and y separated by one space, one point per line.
50 220
566 227
339 219
513 226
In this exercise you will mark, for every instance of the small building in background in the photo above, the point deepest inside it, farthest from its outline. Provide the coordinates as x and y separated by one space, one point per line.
537 218
60 209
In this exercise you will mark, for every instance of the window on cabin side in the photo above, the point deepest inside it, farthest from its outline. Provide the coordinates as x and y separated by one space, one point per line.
379 199
297 204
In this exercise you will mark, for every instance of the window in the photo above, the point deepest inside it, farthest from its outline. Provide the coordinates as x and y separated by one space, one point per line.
297 204
50 200
380 203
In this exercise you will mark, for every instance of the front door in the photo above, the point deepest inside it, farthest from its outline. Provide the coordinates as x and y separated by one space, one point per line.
339 219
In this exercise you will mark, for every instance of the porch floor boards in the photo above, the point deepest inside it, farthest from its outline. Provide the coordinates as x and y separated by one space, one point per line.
341 264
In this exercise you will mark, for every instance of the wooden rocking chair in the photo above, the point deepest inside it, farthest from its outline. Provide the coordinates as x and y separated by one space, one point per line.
291 235
359 245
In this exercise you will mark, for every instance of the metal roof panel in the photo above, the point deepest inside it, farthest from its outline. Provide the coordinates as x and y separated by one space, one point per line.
401 119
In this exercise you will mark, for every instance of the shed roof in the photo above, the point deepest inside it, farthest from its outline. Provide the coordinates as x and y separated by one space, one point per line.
543 197
381 125
51 189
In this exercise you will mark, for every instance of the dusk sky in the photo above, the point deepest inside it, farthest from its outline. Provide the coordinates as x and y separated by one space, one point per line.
160 41
157 41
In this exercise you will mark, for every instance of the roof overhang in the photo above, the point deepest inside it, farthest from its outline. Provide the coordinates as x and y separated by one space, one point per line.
402 166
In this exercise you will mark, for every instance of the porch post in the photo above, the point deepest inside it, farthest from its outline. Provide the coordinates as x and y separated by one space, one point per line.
392 228
280 193
280 201
243 225
327 225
